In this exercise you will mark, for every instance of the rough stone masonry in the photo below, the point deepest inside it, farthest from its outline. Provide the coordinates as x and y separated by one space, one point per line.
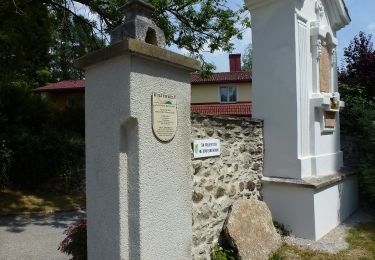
220 181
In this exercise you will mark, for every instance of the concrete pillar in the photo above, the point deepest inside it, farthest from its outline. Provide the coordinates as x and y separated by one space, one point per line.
295 92
138 145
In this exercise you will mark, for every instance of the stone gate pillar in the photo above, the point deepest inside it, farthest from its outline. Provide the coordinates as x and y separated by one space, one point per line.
138 144
295 92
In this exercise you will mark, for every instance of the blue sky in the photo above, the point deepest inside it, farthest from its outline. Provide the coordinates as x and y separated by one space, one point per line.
362 13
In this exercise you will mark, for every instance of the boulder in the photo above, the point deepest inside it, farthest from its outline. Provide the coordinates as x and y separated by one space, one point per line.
250 230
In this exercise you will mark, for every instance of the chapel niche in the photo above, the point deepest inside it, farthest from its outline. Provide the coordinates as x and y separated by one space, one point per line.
325 70
326 67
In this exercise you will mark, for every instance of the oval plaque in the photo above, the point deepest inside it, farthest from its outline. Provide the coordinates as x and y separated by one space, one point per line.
164 116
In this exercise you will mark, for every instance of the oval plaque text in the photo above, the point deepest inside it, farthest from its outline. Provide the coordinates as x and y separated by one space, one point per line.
164 116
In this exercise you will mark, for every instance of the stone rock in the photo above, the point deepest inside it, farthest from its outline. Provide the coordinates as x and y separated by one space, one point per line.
210 131
197 197
220 192
256 166
250 230
209 187
206 212
197 165
242 148
232 191
251 185
242 186
225 152
237 130
230 126
206 122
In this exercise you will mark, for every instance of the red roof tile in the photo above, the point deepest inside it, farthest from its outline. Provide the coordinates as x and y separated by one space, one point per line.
67 85
238 109
223 77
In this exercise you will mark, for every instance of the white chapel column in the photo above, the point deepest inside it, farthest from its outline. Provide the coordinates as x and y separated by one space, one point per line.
295 92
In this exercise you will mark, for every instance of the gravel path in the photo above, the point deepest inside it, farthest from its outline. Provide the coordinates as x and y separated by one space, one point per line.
334 241
34 238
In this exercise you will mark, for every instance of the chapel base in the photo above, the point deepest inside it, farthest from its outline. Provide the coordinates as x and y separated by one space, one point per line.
311 208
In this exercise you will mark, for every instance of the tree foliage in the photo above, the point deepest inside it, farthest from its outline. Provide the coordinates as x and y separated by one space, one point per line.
75 243
357 88
62 26
247 58
38 143
359 67
195 25
24 39
358 119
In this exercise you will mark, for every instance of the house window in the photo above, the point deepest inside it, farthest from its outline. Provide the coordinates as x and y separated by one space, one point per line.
228 94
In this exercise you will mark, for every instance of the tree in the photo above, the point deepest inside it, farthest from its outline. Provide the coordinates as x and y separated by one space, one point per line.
24 40
247 58
33 148
191 24
195 25
357 88
359 67
72 37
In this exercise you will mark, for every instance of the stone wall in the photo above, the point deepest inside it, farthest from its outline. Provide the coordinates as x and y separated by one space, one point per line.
219 181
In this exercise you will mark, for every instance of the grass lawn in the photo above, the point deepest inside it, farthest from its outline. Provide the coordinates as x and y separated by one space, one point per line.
361 241
17 202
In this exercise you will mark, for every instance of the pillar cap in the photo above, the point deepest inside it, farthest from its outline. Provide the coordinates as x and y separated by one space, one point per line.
138 48
138 24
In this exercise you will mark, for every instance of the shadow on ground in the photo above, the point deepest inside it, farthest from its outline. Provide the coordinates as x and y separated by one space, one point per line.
18 202
18 224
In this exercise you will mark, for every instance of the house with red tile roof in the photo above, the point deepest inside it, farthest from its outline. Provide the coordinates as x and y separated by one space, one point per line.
64 93
223 93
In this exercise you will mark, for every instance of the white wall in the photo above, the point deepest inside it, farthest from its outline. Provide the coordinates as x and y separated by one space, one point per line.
311 213
292 206
334 205
103 93
274 91
284 79
138 188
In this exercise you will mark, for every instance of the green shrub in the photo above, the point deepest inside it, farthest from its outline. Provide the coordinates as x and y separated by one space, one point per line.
276 257
5 161
220 253
75 243
47 145
358 119
282 229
